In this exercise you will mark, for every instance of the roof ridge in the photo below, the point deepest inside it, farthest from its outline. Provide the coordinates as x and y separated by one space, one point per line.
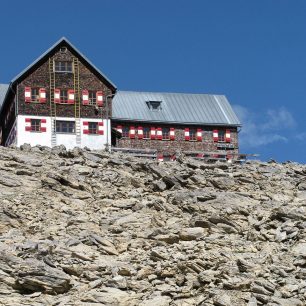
167 92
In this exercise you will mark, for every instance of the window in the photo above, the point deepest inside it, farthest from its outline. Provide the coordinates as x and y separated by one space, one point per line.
61 66
192 134
92 127
221 136
92 97
64 96
35 94
166 133
125 132
154 105
65 126
146 132
35 125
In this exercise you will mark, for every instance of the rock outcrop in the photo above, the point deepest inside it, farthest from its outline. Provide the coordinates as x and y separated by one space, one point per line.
91 228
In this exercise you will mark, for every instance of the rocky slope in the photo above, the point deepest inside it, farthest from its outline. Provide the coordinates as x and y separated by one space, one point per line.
89 228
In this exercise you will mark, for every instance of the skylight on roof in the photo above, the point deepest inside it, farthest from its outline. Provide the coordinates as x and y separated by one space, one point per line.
154 105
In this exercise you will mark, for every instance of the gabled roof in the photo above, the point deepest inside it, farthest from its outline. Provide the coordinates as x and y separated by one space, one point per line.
3 91
179 108
63 41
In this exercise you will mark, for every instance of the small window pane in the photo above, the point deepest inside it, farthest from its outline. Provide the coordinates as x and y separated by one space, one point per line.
221 136
35 125
65 126
64 96
92 97
34 94
125 132
146 132
192 134
61 66
166 133
93 127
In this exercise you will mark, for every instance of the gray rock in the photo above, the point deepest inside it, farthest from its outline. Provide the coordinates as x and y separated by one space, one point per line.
191 233
84 227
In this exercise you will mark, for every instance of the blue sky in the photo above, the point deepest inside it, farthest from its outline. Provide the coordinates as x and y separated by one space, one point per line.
254 52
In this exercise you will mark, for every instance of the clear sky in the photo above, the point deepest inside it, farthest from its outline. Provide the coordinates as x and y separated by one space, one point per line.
253 51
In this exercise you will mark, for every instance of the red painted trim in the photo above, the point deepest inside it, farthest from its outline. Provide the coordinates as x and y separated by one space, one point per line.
42 100
85 93
28 91
71 92
187 137
99 94
228 139
140 135
132 135
159 136
215 138
153 136
57 91
172 137
199 138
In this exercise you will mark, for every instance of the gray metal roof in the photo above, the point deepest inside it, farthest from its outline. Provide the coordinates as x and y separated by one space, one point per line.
63 39
176 108
3 91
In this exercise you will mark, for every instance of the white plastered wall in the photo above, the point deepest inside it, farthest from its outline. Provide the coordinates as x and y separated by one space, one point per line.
68 140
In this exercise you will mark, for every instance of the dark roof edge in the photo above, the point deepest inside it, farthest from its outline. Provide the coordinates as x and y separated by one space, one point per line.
63 39
6 94
175 122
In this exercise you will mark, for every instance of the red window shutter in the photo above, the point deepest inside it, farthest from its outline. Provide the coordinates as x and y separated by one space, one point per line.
215 135
132 132
28 124
172 134
199 135
100 128
85 95
70 96
187 136
99 96
228 135
85 127
57 95
43 125
153 133
140 132
42 95
27 94
159 133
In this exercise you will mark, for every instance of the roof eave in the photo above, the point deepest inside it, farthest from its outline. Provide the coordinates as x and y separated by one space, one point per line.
176 122
5 97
